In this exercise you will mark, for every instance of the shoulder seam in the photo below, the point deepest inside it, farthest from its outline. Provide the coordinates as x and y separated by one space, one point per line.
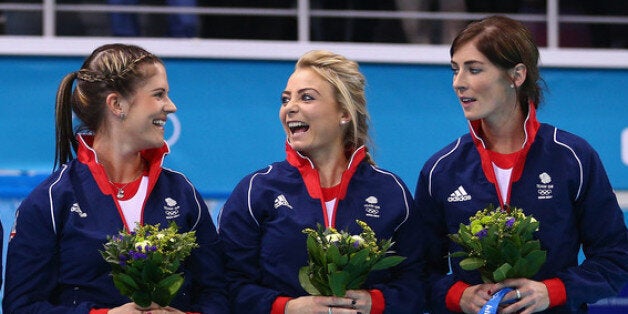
429 179
580 170
250 189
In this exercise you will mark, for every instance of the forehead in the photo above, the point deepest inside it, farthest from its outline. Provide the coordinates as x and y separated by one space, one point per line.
467 53
307 77
155 74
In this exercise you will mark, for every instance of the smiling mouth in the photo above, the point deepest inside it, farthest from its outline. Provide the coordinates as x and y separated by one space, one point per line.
466 100
298 127
159 123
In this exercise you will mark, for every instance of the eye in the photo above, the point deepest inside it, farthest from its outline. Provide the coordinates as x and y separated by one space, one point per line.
475 70
455 70
160 94
306 97
284 99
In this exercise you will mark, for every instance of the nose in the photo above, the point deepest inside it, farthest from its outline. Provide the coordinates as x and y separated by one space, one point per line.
291 106
170 107
458 83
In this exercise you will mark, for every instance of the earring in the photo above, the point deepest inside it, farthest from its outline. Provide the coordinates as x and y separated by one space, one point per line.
122 115
512 85
343 122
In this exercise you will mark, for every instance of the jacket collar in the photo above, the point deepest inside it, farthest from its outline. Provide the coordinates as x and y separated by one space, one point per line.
531 126
310 174
86 155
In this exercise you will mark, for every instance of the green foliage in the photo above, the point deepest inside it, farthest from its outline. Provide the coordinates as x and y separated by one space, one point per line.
499 244
144 263
339 261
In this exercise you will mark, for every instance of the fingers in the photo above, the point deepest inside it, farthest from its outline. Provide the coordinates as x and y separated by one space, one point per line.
341 302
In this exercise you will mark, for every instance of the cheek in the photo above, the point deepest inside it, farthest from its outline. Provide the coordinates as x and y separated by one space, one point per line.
282 114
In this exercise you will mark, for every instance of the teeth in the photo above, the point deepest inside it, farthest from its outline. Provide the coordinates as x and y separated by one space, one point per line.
296 124
159 122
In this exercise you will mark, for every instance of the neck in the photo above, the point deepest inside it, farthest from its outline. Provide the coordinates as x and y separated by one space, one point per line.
119 165
506 136
330 170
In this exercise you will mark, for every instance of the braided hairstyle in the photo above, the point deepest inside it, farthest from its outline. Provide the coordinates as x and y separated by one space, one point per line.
110 68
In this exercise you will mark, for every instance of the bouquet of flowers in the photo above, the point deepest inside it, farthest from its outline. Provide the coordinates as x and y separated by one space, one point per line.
144 263
500 244
339 261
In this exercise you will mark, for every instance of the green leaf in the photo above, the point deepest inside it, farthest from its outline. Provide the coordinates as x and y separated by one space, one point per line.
471 263
127 280
333 255
304 280
459 254
510 252
338 283
530 246
172 283
141 298
501 273
534 262
358 260
387 262
151 273
357 282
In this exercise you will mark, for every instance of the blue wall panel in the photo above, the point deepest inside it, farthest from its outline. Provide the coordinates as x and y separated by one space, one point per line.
229 126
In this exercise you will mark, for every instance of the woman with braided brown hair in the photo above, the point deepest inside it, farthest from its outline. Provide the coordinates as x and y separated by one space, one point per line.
108 176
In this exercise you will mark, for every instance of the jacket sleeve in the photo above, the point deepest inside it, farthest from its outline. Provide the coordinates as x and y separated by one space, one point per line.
241 236
439 278
33 263
206 266
604 237
405 293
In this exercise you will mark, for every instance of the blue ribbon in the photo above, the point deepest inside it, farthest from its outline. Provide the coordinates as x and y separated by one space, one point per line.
492 305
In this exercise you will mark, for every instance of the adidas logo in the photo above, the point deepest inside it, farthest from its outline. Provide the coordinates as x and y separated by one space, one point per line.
459 195
282 201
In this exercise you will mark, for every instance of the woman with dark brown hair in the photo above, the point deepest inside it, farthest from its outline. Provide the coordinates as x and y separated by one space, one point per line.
510 159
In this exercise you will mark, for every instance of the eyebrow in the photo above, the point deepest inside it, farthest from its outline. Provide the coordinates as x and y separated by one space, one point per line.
302 90
471 62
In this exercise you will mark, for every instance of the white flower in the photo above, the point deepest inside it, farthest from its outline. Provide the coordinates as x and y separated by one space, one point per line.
333 237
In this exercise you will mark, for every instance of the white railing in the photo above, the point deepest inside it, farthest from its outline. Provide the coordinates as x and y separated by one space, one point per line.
49 43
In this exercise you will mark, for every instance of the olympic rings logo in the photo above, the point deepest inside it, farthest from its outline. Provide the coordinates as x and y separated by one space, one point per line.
624 146
176 132
545 192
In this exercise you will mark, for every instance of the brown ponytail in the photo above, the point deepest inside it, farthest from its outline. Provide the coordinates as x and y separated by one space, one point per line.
64 134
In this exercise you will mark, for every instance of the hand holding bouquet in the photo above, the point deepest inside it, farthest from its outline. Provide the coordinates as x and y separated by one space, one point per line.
144 263
500 244
339 261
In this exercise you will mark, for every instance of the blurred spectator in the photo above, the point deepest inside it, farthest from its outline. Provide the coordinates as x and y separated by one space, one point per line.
250 27
27 23
23 22
493 6
608 35
178 25
353 29
429 31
